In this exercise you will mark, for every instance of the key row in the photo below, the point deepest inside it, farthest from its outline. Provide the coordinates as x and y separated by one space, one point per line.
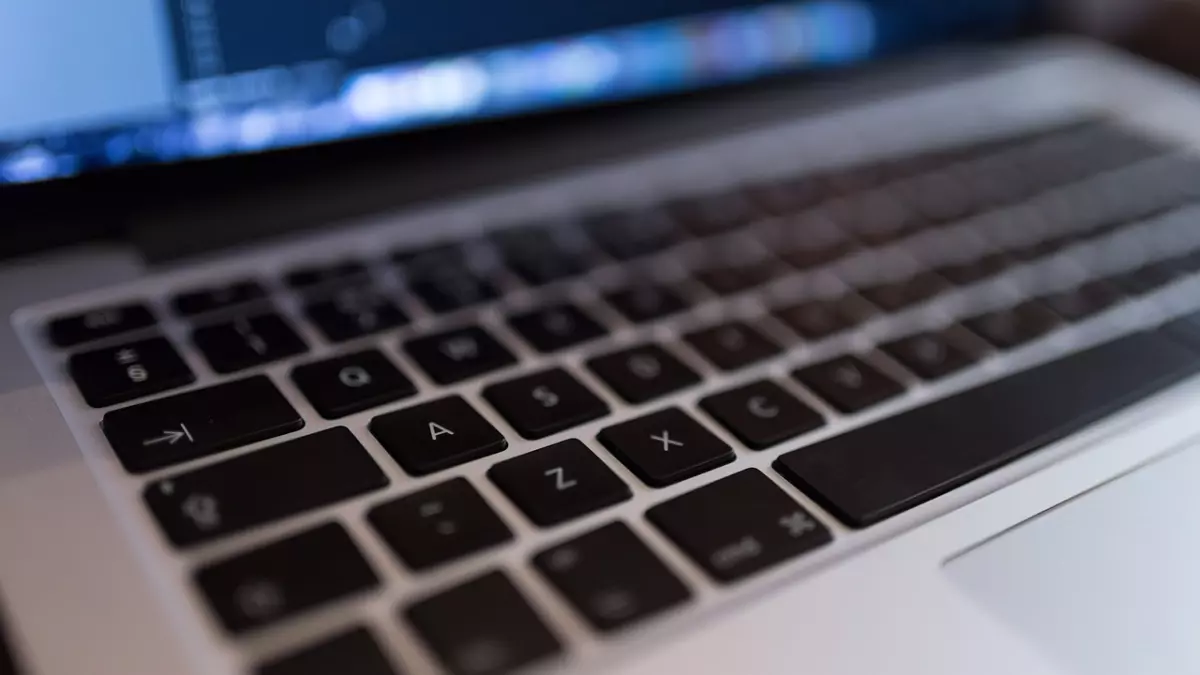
731 529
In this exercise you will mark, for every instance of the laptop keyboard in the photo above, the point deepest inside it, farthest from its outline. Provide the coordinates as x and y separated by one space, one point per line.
1082 210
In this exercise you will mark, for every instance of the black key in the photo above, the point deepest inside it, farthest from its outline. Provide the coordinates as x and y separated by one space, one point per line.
732 345
285 578
632 234
647 302
931 355
436 435
875 472
1152 277
348 271
666 447
739 526
849 384
713 214
128 371
68 331
483 627
439 524
762 414
643 373
352 383
354 651
611 578
1016 326
542 255
263 486
545 403
459 354
198 423
818 319
551 329
453 290
898 295
248 342
205 300
1083 302
354 312
813 242
732 278
559 483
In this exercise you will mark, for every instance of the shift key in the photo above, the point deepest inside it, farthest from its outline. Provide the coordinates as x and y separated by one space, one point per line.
195 424
262 487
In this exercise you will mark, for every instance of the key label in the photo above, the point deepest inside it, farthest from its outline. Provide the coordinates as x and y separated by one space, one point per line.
354 377
460 349
760 407
564 559
436 430
614 605
203 510
127 356
259 599
849 377
171 437
666 441
559 323
482 656
798 524
102 319
546 397
737 553
560 479
645 367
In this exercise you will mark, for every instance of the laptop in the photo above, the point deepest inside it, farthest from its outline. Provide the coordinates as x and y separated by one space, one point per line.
366 337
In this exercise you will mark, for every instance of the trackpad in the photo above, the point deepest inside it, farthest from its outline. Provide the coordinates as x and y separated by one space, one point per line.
1108 583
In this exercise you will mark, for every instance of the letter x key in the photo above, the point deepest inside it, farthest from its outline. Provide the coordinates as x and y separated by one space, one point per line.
666 447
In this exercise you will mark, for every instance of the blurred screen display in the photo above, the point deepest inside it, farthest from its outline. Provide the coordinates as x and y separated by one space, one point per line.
90 84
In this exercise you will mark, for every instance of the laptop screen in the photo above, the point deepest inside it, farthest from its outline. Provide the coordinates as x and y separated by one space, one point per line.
92 84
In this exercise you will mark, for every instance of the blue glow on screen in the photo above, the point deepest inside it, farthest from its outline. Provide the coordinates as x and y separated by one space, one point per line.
615 64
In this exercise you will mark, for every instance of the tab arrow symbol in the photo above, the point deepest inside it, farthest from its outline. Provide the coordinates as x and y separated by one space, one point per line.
171 437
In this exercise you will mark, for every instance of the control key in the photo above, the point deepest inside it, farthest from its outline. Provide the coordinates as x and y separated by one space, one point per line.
198 423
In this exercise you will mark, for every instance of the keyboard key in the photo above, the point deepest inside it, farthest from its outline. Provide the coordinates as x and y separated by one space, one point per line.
545 403
354 651
439 524
873 473
818 319
1083 302
643 303
559 483
551 329
263 486
354 312
739 526
436 435
712 214
724 278
483 627
632 234
68 331
930 355
204 300
611 578
128 371
348 384
453 290
544 254
198 423
459 354
762 414
849 384
248 342
643 373
812 242
285 578
732 345
344 272
1016 326
666 447
899 295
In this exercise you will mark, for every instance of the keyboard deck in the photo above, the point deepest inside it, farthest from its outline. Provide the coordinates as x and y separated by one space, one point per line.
743 323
